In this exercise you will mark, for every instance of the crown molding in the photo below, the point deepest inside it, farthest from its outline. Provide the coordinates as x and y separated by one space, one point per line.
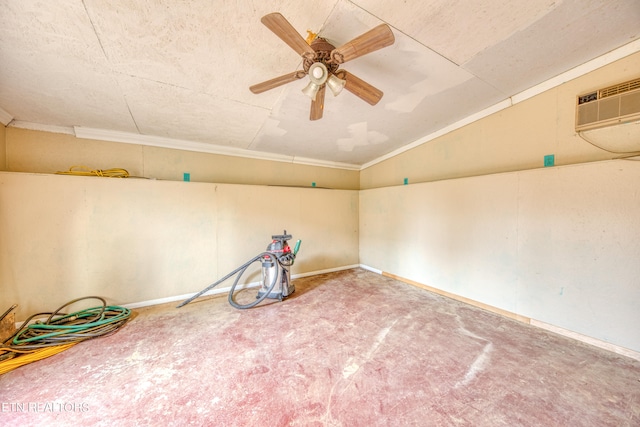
201 147
40 127
325 163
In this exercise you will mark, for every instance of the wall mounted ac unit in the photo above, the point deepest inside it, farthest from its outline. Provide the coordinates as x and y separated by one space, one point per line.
609 118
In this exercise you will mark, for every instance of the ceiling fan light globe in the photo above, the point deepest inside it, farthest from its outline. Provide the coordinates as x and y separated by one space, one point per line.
318 73
335 84
311 90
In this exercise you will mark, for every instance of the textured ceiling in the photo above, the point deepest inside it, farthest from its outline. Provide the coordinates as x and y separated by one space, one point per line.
178 72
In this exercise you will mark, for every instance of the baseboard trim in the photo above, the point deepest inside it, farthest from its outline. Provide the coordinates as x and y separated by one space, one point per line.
328 270
174 298
524 319
587 339
374 270
225 290
465 300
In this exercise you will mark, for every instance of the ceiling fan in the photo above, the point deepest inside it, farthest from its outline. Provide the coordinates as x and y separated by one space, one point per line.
321 61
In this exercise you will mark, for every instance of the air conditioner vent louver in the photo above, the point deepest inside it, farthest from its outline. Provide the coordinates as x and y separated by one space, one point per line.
620 88
608 106
609 118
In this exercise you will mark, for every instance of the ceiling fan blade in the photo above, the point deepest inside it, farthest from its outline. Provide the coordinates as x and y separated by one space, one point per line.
283 29
360 88
374 39
278 81
317 105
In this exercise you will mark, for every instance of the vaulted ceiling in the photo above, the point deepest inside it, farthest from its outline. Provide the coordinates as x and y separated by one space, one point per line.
177 73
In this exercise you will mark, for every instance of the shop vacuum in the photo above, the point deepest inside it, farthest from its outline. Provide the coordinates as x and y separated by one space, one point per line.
276 277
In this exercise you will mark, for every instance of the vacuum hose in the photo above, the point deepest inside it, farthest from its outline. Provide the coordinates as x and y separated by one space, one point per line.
240 270
258 300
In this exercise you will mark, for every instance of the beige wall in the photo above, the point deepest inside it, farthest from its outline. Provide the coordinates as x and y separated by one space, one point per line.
46 152
130 241
3 148
559 245
516 138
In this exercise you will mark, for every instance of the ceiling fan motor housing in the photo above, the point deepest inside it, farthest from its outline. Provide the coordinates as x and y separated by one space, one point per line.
323 51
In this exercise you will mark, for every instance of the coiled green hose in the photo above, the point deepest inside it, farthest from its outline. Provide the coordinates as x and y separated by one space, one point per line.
61 328
39 340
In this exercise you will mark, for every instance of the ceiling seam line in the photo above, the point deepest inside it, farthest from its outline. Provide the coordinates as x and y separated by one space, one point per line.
409 36
95 32
106 56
